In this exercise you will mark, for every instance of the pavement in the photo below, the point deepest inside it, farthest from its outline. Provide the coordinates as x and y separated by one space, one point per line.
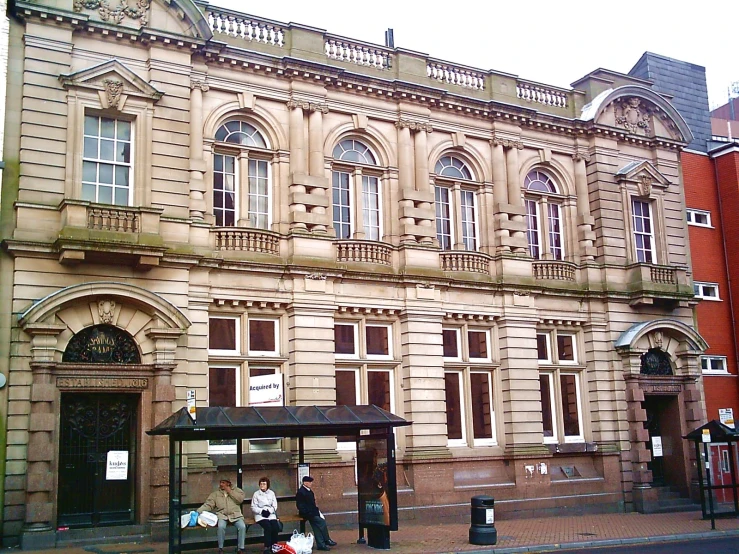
514 535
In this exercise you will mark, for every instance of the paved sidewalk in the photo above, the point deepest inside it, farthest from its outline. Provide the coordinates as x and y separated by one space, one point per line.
514 535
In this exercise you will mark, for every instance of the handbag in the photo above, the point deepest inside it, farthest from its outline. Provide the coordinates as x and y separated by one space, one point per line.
280 527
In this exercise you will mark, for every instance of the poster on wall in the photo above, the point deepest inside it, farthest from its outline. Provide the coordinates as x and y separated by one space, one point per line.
266 390
726 416
376 484
116 465
657 447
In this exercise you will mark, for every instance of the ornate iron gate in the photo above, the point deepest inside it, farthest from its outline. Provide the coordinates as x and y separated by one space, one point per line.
91 426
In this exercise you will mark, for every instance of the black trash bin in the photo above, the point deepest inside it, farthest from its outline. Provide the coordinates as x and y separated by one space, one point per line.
482 528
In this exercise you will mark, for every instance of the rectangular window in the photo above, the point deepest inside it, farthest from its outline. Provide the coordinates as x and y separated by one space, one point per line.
342 206
570 390
454 409
714 364
532 229
542 347
223 336
478 344
347 394
378 341
223 390
107 169
555 232
483 417
224 190
443 217
699 218
643 231
706 291
259 194
547 405
469 220
450 339
263 337
379 389
566 348
371 207
345 340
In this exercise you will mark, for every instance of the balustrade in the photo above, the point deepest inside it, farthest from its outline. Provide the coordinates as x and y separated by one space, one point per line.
554 271
364 251
473 262
663 275
456 75
360 54
245 27
247 240
539 94
113 219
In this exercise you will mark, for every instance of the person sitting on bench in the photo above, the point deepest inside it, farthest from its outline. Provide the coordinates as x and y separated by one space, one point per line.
264 506
306 502
226 504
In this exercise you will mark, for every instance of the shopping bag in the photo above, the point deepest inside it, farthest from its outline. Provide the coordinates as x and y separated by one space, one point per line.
303 544
282 548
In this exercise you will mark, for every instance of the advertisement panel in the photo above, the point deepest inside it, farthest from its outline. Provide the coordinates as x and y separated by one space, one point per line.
376 483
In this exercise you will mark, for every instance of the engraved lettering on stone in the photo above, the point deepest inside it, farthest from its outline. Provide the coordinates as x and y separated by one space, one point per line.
116 14
106 310
101 383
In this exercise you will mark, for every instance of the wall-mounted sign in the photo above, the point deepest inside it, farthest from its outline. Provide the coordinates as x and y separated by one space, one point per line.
266 390
726 416
706 436
191 403
657 447
303 471
101 383
117 465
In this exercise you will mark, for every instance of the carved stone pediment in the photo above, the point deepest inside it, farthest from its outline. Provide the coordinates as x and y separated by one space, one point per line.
643 175
116 11
113 82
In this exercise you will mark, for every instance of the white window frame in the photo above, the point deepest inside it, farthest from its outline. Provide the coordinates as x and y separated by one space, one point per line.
389 328
724 370
462 408
650 218
701 287
470 242
692 216
444 199
550 358
357 348
554 439
539 206
488 342
99 161
357 370
237 331
493 441
226 449
236 191
254 195
559 360
460 346
555 398
580 437
276 328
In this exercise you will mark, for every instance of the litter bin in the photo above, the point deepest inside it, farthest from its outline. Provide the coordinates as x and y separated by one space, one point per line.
482 528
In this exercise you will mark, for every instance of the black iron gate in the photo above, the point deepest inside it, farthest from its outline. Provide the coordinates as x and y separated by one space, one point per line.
92 425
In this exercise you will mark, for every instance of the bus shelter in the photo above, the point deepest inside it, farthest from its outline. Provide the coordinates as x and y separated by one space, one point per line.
717 469
373 428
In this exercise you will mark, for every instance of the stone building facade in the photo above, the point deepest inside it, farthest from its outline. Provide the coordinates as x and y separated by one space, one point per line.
198 198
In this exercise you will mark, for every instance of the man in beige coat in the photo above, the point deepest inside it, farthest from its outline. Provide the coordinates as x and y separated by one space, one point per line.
226 504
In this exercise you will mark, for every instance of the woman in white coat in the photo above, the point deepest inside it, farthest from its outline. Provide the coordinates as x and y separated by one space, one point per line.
264 506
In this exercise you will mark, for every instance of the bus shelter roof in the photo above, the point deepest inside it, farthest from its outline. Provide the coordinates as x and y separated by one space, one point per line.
217 422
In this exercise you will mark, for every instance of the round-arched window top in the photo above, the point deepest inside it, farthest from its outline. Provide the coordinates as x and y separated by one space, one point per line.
350 150
451 166
241 133
538 181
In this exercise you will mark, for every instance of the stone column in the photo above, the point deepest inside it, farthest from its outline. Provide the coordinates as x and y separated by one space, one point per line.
242 159
585 221
516 209
197 163
405 180
500 197
316 161
423 183
297 164
422 371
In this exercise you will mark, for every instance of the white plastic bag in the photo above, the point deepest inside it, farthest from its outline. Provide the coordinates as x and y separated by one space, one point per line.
303 544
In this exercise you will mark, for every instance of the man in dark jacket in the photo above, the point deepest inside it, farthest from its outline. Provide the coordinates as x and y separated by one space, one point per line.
306 501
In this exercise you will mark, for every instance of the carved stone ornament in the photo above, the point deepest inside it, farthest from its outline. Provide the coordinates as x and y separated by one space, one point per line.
106 310
414 125
316 276
584 156
657 339
633 115
116 14
202 85
645 185
508 143
113 91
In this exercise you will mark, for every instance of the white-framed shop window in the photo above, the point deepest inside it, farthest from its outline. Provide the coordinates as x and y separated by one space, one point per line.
706 291
561 406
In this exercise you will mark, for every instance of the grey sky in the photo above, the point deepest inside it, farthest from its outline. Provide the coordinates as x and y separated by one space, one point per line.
552 42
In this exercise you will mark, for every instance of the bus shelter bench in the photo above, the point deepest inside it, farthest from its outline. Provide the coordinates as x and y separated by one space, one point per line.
198 538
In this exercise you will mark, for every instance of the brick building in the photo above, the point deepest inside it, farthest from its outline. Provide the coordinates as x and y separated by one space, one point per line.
199 199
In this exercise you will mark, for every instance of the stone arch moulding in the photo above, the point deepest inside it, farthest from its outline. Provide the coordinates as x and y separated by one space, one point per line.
561 174
49 333
373 137
265 122
468 153
630 338
598 106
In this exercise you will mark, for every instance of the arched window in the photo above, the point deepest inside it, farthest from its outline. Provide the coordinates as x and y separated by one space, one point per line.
242 191
543 216
456 204
355 192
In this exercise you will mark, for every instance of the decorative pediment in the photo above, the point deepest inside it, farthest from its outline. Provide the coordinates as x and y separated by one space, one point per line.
113 82
644 175
637 110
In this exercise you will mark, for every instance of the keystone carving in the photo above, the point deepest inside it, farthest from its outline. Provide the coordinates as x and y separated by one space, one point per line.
106 310
113 91
116 14
645 185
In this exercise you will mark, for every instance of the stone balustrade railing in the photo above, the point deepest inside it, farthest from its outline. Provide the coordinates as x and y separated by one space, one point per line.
663 275
364 251
113 219
248 28
554 271
368 55
472 262
247 240
541 94
453 74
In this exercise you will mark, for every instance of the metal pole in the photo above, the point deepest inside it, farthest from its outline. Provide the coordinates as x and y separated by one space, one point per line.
700 463
709 486
173 507
239 462
732 465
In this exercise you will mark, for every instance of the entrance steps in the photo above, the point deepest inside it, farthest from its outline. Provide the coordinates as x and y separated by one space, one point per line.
669 500
103 535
